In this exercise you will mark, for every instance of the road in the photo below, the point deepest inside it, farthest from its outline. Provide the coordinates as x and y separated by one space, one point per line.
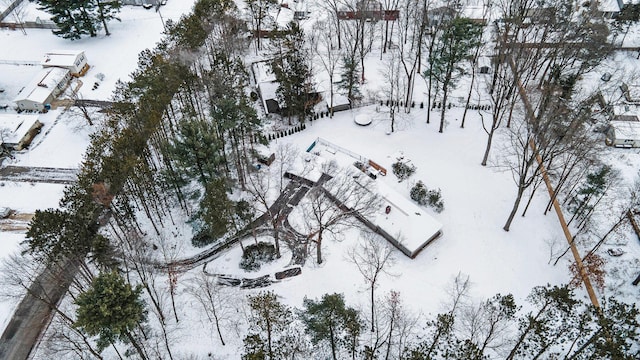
33 313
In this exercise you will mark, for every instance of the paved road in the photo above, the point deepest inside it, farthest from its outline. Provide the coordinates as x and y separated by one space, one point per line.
33 313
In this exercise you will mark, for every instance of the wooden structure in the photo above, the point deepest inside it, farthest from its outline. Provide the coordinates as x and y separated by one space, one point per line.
18 130
369 10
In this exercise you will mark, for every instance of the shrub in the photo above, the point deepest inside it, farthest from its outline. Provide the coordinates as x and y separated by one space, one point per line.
423 196
434 199
201 239
402 170
255 255
419 193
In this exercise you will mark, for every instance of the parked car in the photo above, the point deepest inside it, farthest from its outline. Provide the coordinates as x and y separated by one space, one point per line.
4 212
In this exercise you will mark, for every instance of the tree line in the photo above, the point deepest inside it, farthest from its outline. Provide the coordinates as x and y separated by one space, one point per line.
555 324
178 138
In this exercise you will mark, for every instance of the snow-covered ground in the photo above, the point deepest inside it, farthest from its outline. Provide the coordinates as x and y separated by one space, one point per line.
476 198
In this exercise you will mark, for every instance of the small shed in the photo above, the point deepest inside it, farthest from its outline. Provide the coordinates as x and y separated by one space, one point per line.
18 130
73 60
483 65
624 134
44 88
340 102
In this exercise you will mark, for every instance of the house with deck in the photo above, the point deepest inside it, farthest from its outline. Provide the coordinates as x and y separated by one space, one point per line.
43 89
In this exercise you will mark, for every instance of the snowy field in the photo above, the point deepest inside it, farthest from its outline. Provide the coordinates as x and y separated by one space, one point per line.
476 201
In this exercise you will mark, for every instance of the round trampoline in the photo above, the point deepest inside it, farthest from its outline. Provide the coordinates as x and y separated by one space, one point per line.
363 119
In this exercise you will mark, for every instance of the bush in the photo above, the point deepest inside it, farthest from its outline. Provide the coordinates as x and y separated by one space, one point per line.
423 196
419 193
255 255
402 170
434 199
201 239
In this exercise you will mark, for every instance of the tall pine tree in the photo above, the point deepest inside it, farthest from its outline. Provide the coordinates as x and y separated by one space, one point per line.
78 18
292 71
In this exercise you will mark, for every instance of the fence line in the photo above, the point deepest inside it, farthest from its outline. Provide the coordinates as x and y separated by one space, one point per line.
341 149
20 62
29 25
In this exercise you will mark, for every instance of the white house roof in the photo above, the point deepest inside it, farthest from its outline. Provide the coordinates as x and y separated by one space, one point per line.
61 58
42 85
609 6
411 225
407 222
626 129
14 126
338 99
626 110
474 12
268 90
263 73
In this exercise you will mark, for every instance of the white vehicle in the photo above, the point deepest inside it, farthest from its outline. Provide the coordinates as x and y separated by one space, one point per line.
4 212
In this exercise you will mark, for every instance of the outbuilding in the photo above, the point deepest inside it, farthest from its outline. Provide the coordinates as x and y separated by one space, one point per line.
340 102
44 88
18 130
73 60
624 134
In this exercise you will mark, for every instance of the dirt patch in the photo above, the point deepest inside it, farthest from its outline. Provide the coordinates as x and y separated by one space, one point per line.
16 222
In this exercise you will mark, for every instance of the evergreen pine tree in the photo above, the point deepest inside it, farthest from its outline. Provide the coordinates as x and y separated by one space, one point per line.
111 309
269 321
77 18
291 69
459 37
66 16
330 320
108 10
350 78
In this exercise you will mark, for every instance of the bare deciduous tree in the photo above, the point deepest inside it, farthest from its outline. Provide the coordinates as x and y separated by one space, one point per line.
268 183
488 324
327 54
219 305
391 73
372 256
401 325
336 203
